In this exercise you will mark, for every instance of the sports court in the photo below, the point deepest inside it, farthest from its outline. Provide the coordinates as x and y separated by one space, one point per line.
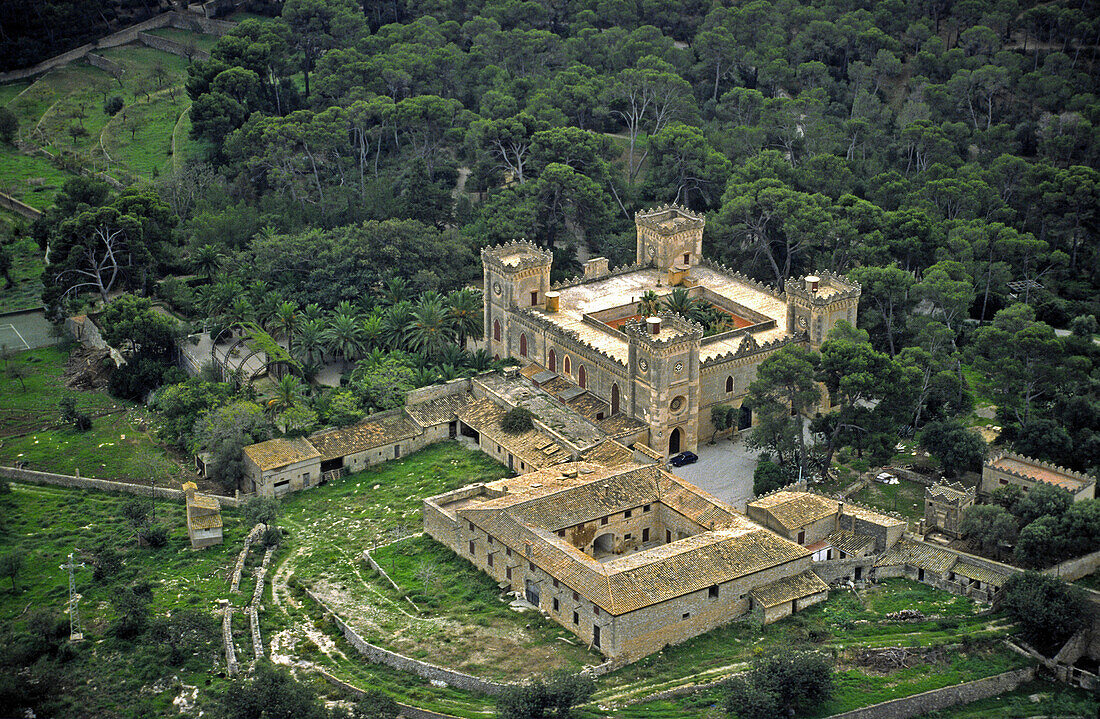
24 331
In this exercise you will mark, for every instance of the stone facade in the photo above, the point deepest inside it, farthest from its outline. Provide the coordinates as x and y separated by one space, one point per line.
1007 468
945 504
661 371
630 558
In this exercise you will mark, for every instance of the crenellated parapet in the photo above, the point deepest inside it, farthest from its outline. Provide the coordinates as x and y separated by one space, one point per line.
540 320
581 279
750 347
515 256
674 329
824 288
742 278
669 219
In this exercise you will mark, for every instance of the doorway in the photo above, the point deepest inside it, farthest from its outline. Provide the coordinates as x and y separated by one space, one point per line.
744 418
604 544
674 441
531 592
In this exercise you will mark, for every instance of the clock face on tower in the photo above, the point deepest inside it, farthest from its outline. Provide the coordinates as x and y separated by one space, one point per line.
643 365
679 366
496 288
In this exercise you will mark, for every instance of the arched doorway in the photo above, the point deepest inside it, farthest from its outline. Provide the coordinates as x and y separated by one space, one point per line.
582 377
523 345
496 330
567 368
604 544
552 361
614 399
674 441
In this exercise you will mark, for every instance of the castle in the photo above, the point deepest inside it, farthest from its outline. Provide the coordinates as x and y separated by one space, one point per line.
589 337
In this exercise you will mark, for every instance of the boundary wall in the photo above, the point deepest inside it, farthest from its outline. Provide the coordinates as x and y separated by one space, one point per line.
943 698
30 476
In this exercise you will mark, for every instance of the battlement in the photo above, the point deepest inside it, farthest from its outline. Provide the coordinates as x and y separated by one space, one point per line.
674 329
669 219
822 289
749 346
515 256
742 278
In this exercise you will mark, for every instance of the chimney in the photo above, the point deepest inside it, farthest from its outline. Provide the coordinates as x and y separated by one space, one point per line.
654 325
811 283
552 300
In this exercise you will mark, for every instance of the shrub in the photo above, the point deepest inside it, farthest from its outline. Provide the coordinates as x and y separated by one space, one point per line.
1047 610
113 105
272 536
517 420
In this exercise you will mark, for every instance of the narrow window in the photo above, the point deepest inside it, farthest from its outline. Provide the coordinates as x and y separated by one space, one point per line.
523 345
595 610
490 540
534 297
531 565
576 618
471 525
496 330
687 258
626 514
552 361
595 635
508 551
668 537
729 384
576 597
646 508
645 534
603 520
555 584
490 559
508 572
567 369
802 536
712 593
557 606
471 546
582 377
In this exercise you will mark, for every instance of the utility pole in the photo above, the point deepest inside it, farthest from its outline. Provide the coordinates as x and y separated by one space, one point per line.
75 635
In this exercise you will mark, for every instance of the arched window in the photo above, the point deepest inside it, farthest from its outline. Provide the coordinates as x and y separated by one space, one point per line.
729 384
567 368
523 345
614 399
496 330
552 361
582 377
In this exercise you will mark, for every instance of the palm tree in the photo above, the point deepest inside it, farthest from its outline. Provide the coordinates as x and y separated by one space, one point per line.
372 329
286 322
267 308
288 390
680 302
481 360
239 310
220 294
429 330
344 307
424 377
452 354
311 340
344 337
447 372
312 311
467 314
206 260
395 289
375 357
256 291
650 304
395 325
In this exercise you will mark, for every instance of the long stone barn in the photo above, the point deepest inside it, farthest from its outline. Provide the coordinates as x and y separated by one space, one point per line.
628 558
663 371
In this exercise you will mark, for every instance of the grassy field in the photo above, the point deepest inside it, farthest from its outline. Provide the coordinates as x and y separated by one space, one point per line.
906 498
107 676
183 37
26 275
120 444
139 142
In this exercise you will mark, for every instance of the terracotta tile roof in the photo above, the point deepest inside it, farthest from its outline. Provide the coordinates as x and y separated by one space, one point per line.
540 503
205 521
280 452
438 411
532 447
949 492
204 501
982 574
609 454
857 545
620 425
1037 472
870 516
784 590
589 405
375 431
918 554
796 509
531 370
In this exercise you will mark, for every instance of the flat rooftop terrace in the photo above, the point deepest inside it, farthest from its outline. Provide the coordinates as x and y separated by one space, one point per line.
579 300
1040 473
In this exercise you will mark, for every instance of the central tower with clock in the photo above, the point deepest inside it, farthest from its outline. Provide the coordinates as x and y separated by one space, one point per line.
663 361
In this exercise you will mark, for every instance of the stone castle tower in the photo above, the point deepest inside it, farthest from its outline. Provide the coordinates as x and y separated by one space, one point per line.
516 274
669 237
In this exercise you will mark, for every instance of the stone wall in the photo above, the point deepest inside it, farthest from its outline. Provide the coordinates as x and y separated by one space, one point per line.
111 68
376 654
409 712
171 46
937 699
227 638
842 570
10 203
1073 569
65 480
235 582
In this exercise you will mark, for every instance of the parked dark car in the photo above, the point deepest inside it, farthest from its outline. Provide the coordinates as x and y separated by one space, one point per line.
684 458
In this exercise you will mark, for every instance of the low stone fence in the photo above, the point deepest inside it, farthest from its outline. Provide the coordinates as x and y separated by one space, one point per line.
235 580
31 476
377 654
409 712
254 623
937 699
111 68
227 637
171 46
21 208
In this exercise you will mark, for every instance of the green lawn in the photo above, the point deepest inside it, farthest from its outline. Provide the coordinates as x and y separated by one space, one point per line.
906 498
32 179
201 41
120 445
7 92
26 275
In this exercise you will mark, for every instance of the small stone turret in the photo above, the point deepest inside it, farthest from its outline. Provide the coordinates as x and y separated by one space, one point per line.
815 303
670 237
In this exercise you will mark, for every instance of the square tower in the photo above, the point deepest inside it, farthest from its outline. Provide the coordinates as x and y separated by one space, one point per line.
815 303
669 237
516 274
663 361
